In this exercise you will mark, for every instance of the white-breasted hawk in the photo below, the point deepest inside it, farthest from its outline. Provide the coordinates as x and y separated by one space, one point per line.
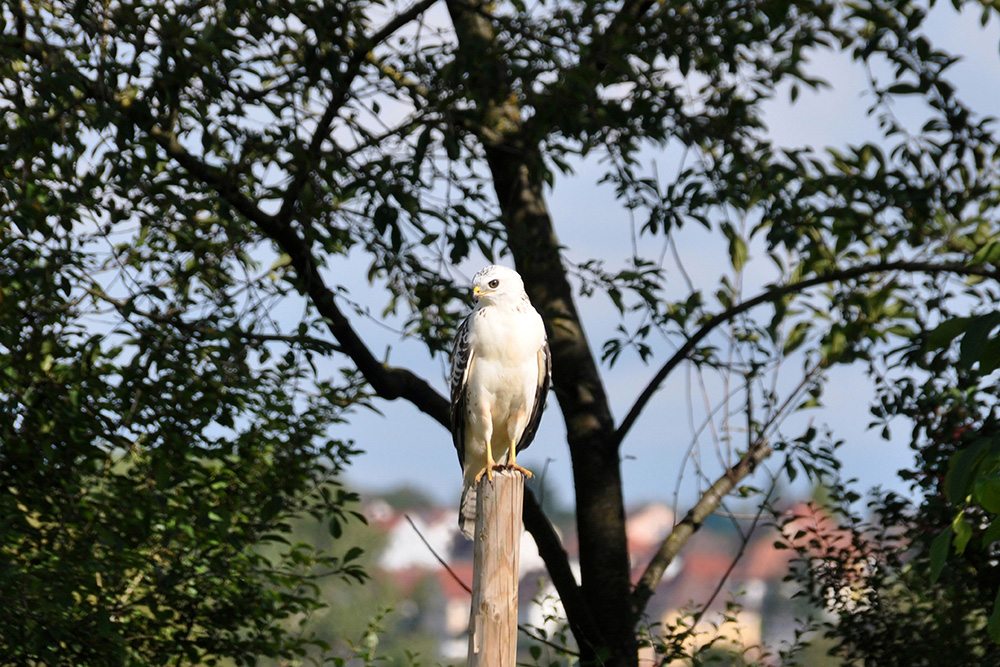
500 374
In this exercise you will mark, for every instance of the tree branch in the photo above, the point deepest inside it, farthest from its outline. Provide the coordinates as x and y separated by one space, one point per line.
693 521
211 176
397 22
582 623
757 451
760 449
744 543
457 579
391 383
387 381
442 561
774 293
174 319
305 164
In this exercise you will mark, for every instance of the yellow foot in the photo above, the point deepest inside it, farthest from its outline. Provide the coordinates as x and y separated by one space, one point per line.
488 471
524 471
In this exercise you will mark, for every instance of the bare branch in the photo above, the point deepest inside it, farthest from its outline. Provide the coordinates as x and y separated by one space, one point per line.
444 564
773 294
744 543
397 22
693 521
173 319
757 451
562 649
582 623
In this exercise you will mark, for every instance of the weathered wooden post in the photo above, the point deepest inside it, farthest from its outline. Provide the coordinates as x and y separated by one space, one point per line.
497 554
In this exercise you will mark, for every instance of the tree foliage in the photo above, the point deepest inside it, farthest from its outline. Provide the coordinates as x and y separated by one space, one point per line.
915 582
146 459
153 153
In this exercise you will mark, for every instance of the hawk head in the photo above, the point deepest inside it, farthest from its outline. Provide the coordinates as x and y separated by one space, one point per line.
495 285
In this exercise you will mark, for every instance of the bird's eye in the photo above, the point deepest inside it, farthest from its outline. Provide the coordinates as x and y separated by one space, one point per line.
494 284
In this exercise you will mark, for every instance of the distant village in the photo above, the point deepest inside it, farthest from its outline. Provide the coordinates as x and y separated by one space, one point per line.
418 539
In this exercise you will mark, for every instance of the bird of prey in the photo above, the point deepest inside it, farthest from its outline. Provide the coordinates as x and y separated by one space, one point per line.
500 374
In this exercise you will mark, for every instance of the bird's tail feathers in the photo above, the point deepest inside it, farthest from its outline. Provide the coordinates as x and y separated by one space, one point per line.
467 511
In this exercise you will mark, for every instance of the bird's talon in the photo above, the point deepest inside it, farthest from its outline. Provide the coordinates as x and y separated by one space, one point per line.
488 471
524 471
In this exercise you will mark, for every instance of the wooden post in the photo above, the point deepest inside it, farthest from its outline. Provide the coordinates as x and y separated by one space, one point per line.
497 554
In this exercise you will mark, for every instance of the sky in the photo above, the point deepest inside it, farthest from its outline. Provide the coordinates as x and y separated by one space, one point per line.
405 448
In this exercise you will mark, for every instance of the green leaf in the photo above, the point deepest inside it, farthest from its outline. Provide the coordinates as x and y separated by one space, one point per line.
939 552
946 332
385 218
796 337
737 252
616 298
988 494
976 336
834 346
284 260
989 359
993 624
988 254
961 469
963 532
992 533
906 89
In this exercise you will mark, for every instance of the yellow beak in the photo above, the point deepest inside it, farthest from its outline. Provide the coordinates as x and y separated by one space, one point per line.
476 293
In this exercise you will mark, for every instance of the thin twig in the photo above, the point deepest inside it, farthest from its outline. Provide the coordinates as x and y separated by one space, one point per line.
757 451
436 556
729 570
